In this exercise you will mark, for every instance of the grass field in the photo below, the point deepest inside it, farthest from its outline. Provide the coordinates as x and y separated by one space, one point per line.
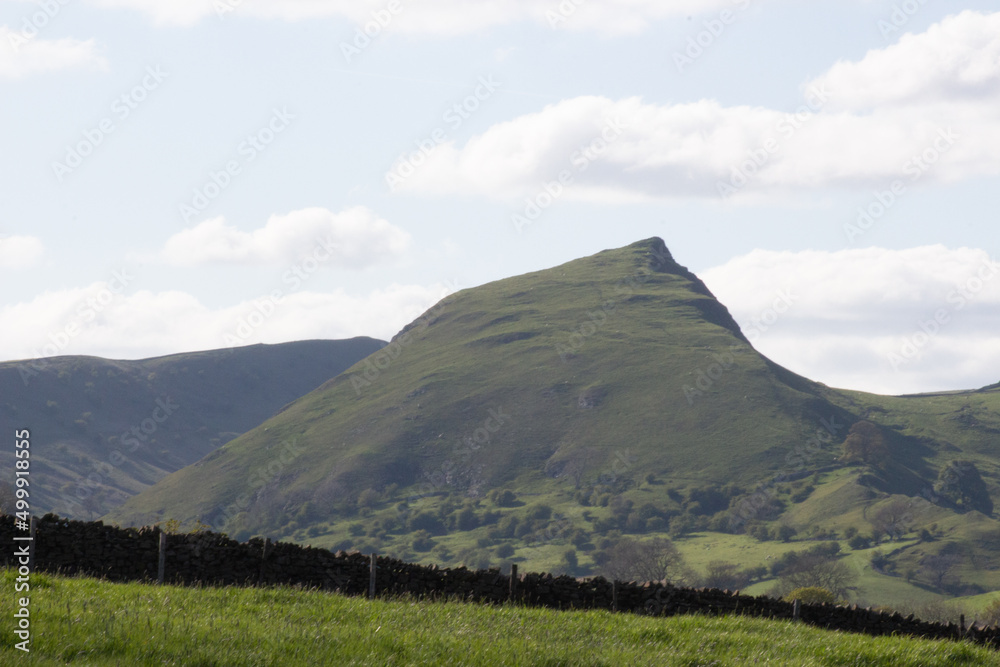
90 622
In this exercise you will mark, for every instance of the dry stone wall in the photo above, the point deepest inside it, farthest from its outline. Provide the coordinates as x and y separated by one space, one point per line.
128 554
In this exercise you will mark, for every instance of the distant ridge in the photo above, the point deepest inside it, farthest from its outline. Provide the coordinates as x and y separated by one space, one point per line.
82 411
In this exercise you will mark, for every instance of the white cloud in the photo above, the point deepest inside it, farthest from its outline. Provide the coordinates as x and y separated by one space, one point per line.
354 238
21 56
96 321
436 17
888 321
956 60
891 116
20 252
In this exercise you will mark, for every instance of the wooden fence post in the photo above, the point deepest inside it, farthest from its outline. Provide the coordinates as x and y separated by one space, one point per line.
371 578
513 582
31 544
162 563
263 558
614 595
796 608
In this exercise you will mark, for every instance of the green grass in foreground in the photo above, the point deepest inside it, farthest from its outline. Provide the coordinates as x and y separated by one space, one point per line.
89 622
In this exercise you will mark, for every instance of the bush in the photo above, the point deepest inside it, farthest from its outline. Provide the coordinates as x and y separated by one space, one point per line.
656 525
505 551
811 595
426 521
467 519
505 498
542 512
880 562
369 498
507 526
859 542
422 541
991 614
786 533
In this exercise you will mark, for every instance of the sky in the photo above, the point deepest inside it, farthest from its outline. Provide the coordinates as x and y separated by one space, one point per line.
201 174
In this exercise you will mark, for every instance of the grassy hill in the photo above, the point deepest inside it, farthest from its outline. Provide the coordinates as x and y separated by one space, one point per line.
545 382
83 621
104 430
542 418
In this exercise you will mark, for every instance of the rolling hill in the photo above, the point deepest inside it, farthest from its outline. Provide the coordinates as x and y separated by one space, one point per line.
104 430
612 396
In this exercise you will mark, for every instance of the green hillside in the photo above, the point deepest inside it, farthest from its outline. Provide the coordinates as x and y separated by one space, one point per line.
104 430
584 369
544 418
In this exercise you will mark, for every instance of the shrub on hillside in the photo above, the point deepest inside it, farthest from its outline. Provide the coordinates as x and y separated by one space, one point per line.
503 498
859 542
422 541
786 533
426 521
991 614
505 551
811 595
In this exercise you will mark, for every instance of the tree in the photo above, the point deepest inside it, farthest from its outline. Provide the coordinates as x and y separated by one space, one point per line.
467 519
570 563
991 615
722 574
892 518
422 541
938 568
816 570
961 483
865 444
651 560
369 498
811 595
859 542
505 498
786 532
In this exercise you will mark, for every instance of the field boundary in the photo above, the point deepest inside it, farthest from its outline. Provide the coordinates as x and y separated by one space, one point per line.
70 547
